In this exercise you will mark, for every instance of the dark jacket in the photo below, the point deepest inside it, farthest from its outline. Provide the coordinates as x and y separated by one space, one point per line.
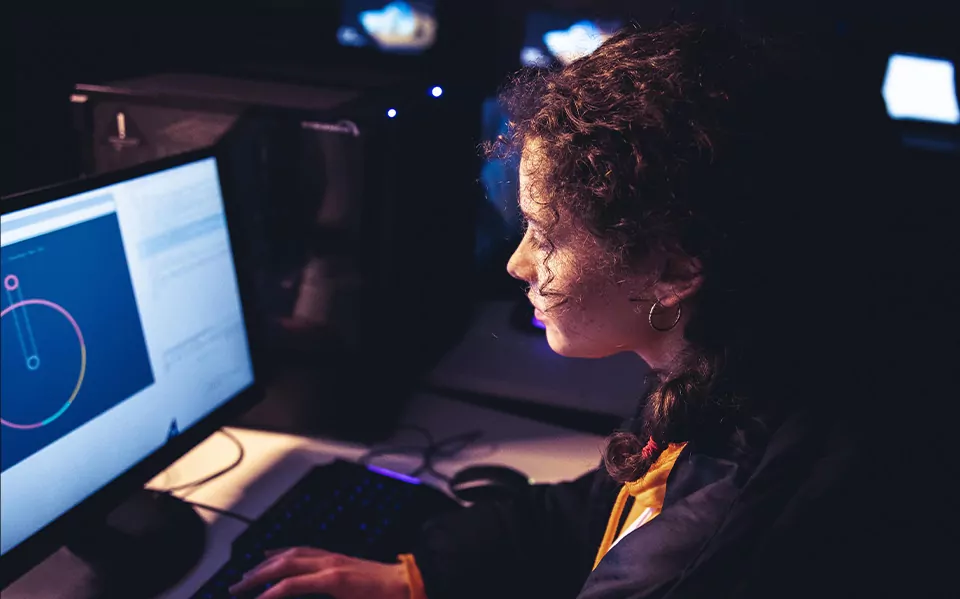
817 512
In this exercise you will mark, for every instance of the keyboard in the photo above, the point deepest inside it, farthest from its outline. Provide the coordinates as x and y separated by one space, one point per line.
344 507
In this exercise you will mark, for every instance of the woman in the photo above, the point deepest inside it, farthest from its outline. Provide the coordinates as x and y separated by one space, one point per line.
679 204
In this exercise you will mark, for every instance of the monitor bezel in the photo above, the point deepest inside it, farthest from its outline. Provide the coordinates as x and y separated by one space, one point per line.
36 548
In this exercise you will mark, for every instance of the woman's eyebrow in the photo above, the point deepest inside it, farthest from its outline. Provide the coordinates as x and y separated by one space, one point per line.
530 218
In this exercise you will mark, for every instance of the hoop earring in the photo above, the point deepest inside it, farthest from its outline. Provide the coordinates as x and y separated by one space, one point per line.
653 308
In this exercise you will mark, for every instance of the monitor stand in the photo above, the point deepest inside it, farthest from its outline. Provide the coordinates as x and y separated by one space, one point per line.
143 547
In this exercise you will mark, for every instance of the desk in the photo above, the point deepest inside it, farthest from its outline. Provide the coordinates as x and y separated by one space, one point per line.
274 462
494 358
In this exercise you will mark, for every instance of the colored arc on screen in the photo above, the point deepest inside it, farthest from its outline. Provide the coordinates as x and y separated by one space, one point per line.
31 351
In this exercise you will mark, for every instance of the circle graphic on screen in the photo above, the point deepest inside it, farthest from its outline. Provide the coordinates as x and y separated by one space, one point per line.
28 343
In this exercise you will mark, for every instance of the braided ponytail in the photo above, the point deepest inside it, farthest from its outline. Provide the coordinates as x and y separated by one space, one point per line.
675 405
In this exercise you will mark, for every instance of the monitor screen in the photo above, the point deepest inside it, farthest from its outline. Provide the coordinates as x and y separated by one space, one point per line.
499 227
397 27
921 88
499 224
122 326
553 38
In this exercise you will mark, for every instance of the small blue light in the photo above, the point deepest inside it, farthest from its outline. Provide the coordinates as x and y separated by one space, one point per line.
437 91
392 112
536 322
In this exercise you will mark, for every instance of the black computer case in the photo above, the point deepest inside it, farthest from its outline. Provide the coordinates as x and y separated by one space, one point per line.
360 224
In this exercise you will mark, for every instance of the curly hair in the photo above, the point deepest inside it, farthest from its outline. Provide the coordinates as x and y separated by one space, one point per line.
689 142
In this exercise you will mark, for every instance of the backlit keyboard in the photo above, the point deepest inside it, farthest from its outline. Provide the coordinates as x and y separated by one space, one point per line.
343 507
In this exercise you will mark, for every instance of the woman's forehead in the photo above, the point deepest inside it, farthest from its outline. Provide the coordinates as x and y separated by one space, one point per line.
531 160
531 156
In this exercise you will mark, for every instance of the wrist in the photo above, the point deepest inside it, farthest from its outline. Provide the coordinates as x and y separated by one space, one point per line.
411 576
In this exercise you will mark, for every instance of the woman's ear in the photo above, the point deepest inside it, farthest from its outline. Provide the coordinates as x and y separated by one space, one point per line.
682 279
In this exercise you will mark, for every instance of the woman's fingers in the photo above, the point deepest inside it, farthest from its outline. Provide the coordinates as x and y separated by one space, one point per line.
307 571
291 552
327 581
299 551
282 566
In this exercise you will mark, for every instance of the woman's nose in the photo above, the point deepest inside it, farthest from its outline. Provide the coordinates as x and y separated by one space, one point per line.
519 266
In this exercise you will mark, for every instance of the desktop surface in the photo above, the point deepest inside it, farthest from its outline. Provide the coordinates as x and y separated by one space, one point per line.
496 359
275 462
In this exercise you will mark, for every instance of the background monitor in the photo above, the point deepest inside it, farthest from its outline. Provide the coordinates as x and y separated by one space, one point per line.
499 225
921 88
396 27
553 38
123 334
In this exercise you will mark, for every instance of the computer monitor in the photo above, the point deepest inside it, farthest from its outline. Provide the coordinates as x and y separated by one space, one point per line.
498 223
396 26
499 227
921 88
125 341
556 38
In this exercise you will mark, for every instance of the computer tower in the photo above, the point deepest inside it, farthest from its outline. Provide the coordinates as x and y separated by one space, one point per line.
360 223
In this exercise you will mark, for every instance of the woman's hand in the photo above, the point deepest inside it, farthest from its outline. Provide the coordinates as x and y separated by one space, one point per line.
309 571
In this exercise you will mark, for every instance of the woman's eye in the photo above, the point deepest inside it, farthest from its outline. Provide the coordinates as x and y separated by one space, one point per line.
537 240
535 237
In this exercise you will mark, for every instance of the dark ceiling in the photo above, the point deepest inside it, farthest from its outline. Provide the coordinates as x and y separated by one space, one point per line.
480 43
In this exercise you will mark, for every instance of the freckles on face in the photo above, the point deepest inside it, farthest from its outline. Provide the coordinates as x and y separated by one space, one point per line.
583 309
592 320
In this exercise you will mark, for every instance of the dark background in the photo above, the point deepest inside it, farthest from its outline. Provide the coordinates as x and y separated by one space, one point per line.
477 48
47 52
81 268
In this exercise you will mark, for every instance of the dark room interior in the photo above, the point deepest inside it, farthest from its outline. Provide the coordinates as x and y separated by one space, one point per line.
438 299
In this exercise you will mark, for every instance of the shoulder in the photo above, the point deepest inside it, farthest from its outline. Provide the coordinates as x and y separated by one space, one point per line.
700 490
720 506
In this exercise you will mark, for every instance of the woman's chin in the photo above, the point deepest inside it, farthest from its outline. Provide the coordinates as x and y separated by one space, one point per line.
569 347
561 345
555 340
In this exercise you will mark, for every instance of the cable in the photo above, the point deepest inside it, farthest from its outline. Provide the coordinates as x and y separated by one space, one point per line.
222 512
400 449
202 481
445 448
417 429
218 473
